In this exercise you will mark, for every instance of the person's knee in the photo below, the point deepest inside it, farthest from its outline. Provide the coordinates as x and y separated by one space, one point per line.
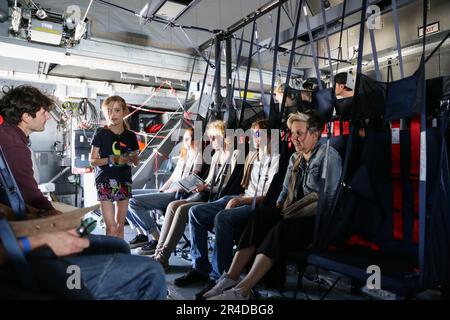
100 244
194 213
222 219
171 208
182 212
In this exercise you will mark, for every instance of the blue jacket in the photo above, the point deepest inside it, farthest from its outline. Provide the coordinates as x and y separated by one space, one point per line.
313 174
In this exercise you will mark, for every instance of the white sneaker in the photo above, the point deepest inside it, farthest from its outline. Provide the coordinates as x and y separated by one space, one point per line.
232 294
224 283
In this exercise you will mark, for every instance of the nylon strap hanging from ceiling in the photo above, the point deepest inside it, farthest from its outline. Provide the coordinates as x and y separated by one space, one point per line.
247 76
275 63
238 64
261 81
275 43
397 37
327 40
208 61
204 81
313 48
344 5
213 88
423 162
188 86
374 54
291 60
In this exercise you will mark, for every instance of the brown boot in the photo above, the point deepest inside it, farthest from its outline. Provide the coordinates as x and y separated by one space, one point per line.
163 260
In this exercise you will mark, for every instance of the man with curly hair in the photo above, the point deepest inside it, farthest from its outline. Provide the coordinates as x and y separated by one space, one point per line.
108 271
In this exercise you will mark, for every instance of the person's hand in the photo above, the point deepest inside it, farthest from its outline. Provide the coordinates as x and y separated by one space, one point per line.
124 160
279 205
233 203
201 187
64 243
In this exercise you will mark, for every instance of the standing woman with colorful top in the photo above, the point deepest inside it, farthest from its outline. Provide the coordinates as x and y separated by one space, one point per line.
114 150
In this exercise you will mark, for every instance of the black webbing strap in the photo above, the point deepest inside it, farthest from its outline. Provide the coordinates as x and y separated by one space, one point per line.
266 178
213 180
210 113
276 44
247 76
327 41
222 181
397 37
188 85
204 81
313 48
238 65
221 175
291 61
195 47
344 5
375 54
261 80
275 63
423 162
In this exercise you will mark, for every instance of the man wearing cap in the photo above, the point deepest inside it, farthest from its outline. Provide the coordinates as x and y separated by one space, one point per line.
344 85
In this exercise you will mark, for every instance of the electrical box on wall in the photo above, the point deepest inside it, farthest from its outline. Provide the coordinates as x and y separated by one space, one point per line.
81 148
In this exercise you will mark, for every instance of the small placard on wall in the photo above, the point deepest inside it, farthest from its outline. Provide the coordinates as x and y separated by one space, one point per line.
431 28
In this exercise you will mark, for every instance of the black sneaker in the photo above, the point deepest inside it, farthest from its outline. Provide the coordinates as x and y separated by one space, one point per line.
209 286
191 277
138 241
148 249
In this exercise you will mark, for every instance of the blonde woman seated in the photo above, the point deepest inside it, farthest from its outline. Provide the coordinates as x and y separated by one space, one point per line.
176 217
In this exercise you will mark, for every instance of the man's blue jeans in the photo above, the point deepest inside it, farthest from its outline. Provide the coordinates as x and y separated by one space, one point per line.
203 218
142 202
109 272
228 226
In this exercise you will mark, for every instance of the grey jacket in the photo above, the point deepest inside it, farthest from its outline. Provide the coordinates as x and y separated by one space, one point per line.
313 174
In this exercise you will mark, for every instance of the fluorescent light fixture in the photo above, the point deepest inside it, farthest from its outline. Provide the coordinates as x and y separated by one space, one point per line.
166 9
170 10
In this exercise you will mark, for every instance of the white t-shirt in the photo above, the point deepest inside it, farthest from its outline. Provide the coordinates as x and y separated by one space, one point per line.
192 163
263 171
